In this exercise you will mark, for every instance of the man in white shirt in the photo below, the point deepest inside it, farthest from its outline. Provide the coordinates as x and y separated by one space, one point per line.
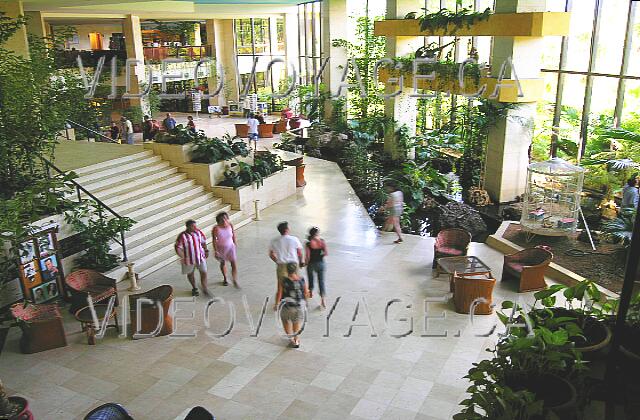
252 123
283 250
127 130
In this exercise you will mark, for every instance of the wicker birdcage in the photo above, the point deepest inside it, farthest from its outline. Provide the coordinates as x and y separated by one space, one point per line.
551 202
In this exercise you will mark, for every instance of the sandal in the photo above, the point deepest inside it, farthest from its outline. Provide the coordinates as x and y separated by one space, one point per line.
194 292
225 283
398 241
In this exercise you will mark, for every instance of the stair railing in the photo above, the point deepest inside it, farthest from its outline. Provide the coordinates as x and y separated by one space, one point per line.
100 205
90 132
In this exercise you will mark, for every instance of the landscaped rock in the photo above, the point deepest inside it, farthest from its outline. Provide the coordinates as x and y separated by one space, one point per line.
460 215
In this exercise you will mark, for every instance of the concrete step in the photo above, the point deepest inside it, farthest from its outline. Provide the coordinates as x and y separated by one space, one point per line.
166 182
150 210
132 186
170 224
112 163
113 171
149 200
141 172
181 211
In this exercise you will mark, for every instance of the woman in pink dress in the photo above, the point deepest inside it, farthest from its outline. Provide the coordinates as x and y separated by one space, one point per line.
224 246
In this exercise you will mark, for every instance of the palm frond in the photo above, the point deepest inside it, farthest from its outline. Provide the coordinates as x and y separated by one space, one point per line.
620 134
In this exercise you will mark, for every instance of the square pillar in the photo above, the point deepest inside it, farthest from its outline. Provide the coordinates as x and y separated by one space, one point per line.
36 25
335 21
226 59
135 50
212 81
18 42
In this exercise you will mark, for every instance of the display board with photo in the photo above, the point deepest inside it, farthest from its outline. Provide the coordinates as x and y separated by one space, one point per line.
40 267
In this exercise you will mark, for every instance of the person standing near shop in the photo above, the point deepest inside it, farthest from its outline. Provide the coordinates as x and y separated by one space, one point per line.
191 125
191 247
169 123
149 129
127 130
630 193
283 250
252 123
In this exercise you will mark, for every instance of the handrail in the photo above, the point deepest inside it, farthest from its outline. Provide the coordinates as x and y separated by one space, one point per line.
101 205
89 130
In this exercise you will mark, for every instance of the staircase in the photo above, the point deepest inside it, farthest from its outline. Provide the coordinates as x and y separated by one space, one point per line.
160 199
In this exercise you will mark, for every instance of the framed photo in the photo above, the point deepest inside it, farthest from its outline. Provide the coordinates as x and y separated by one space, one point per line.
27 251
49 268
30 274
51 290
39 294
46 245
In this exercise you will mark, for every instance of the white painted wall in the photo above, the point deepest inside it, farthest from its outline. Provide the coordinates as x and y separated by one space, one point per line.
84 30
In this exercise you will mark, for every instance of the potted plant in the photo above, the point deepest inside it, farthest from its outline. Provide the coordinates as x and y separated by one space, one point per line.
630 345
585 308
13 408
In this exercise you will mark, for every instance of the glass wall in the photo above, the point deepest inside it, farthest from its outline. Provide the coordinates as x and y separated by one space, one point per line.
258 42
309 40
592 75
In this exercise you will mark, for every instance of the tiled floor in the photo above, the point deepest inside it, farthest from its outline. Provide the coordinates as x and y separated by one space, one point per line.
367 374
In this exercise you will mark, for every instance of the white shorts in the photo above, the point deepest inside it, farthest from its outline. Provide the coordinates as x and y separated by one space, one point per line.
188 269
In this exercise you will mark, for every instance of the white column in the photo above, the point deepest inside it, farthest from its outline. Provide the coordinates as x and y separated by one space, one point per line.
135 50
403 108
508 145
226 57
335 22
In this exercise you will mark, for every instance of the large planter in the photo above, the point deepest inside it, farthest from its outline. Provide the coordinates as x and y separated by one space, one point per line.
596 335
25 412
275 188
176 154
294 123
265 131
280 126
299 165
210 174
242 130
558 394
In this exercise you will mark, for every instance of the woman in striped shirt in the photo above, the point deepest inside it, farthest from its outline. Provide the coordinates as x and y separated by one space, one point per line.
191 247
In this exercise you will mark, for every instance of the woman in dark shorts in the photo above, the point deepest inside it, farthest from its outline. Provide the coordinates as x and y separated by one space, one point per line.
292 295
316 250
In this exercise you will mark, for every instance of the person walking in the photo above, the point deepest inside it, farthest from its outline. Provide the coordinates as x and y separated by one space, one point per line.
114 131
283 250
127 129
630 193
316 250
224 247
292 302
252 123
169 123
394 206
191 125
191 247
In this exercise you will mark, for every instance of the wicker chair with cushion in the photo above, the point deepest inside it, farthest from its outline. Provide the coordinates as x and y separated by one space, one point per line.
82 283
452 242
529 266
41 327
149 315
468 288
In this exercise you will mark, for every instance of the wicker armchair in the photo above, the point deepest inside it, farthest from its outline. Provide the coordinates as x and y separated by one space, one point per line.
82 283
41 327
149 314
108 411
452 242
469 287
529 266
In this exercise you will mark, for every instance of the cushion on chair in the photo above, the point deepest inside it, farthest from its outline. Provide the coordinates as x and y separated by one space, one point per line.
515 267
451 251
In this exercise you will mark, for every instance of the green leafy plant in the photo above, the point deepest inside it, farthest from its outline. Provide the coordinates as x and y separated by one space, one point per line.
180 135
96 233
621 228
211 150
451 21
241 173
286 142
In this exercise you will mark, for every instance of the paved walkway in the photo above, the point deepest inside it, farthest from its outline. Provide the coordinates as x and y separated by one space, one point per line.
366 374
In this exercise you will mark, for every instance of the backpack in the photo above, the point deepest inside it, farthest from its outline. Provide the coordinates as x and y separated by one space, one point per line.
293 291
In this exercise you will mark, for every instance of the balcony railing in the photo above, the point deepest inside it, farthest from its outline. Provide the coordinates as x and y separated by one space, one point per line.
188 53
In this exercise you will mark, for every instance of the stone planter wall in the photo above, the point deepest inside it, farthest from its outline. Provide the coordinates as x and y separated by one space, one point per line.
276 188
176 154
210 174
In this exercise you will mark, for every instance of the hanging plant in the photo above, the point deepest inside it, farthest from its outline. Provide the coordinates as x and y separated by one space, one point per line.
450 21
